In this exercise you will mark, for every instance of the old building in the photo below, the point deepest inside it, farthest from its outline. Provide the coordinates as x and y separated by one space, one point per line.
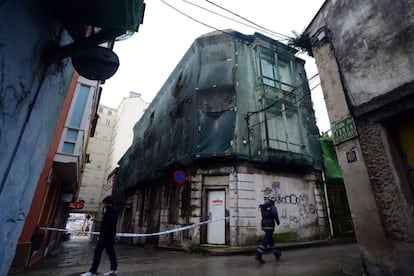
364 51
93 177
60 178
112 137
234 117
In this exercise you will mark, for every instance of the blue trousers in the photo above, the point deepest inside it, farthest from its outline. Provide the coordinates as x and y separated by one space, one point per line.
267 240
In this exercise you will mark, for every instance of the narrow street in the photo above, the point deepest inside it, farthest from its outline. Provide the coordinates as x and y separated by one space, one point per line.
76 255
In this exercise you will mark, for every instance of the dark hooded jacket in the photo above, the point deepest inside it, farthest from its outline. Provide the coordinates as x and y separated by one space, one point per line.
269 215
108 226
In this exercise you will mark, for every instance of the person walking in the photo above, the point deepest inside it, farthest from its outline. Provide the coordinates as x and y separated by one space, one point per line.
106 238
269 217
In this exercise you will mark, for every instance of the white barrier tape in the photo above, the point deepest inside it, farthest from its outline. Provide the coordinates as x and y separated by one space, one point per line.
139 235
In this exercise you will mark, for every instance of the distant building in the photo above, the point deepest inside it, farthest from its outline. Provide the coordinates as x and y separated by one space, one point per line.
128 113
98 146
112 137
234 117
364 51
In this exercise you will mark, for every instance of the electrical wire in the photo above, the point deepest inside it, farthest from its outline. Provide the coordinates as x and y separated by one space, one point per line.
281 37
261 27
301 98
196 20
268 32
270 106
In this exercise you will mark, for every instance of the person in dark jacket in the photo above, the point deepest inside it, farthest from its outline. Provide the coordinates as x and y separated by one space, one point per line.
269 217
106 239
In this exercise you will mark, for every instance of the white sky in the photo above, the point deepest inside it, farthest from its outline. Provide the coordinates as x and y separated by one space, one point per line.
150 55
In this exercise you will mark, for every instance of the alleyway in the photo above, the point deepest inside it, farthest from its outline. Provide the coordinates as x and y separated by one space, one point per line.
76 255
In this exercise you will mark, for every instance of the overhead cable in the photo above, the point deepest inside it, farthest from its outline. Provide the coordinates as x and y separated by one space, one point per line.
301 98
261 27
268 32
270 106
196 20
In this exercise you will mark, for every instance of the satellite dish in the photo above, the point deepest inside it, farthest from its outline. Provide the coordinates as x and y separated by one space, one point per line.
96 63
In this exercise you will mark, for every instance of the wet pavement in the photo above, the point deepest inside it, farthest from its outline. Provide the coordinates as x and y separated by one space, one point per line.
75 256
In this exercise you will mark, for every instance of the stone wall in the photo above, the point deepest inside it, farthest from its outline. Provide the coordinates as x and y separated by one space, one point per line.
301 205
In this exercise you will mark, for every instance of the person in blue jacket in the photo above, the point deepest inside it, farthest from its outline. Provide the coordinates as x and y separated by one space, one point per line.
269 218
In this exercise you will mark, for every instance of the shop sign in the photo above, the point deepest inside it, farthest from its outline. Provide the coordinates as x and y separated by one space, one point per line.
76 205
343 130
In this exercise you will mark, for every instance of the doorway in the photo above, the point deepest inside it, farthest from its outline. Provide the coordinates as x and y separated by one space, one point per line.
216 210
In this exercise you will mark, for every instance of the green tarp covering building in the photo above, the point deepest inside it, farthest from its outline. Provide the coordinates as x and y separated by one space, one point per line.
333 172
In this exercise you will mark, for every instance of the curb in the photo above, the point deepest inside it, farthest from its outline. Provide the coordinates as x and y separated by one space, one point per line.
222 250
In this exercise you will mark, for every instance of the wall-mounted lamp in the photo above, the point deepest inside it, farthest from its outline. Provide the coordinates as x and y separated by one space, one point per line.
115 20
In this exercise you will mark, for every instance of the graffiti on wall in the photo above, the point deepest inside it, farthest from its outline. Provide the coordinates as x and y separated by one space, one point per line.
295 209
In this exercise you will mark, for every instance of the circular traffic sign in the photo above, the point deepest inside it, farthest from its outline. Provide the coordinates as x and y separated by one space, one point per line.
180 177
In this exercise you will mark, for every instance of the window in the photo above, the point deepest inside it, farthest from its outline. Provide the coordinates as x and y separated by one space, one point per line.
68 147
75 121
282 129
285 75
276 70
109 112
107 122
72 134
88 158
100 110
268 68
79 108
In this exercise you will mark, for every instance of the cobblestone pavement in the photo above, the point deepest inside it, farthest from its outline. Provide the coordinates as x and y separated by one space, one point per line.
75 256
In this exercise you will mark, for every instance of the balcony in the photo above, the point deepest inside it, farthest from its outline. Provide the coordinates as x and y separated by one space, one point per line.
68 159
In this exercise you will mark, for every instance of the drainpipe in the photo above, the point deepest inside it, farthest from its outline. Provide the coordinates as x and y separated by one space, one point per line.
327 205
236 207
247 117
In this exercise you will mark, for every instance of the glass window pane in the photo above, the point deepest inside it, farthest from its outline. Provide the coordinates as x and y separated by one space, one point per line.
268 68
285 75
72 134
79 108
68 147
276 132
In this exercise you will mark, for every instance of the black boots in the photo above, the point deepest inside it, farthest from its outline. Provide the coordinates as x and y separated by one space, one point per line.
278 254
259 259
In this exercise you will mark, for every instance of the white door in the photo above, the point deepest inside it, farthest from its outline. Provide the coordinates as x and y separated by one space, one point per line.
216 209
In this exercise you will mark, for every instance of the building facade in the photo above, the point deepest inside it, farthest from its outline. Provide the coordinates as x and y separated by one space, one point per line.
234 117
112 137
36 84
128 113
31 95
60 178
364 53
97 150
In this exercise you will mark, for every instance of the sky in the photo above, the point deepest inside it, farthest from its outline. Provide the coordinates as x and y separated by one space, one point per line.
171 26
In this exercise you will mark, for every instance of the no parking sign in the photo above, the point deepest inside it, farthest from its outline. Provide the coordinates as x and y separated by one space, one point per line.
180 177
